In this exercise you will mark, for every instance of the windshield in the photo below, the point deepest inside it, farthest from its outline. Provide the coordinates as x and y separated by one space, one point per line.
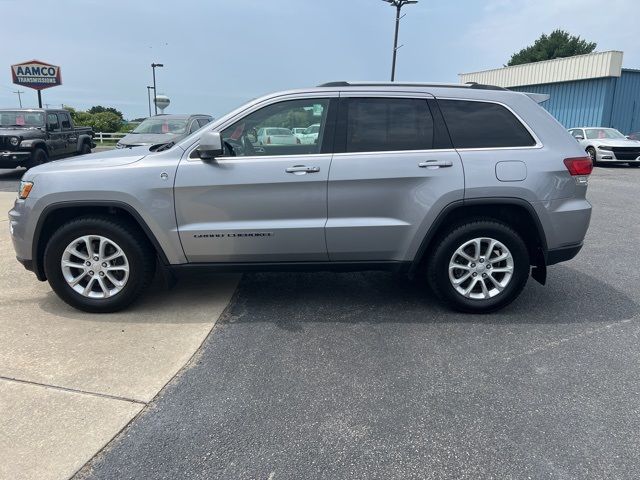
161 125
21 119
603 133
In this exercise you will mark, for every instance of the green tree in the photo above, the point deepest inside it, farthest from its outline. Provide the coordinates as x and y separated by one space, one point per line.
101 109
557 44
105 122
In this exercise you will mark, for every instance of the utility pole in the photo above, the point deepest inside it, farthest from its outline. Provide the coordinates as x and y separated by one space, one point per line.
19 92
398 4
153 67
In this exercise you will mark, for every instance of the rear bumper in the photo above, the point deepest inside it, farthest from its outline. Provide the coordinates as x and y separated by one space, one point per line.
563 254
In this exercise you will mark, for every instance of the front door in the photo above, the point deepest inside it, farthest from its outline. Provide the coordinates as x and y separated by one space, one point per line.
259 203
56 142
393 171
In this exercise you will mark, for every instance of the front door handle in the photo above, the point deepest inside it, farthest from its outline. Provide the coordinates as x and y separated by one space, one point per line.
436 164
302 169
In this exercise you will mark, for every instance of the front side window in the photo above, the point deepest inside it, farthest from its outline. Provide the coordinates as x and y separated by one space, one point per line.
576 133
483 125
388 124
52 122
269 131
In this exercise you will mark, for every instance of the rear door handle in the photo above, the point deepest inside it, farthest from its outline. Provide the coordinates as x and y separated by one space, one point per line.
302 169
436 164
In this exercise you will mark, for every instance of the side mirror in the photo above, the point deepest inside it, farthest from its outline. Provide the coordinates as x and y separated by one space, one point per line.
579 137
210 145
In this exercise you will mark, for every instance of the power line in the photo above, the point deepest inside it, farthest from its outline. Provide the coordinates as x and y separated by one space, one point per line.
19 92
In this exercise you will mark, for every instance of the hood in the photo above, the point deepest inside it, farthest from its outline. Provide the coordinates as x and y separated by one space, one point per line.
25 132
616 142
149 138
110 158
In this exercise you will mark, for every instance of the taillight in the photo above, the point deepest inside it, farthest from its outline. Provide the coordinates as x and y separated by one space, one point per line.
579 165
268 140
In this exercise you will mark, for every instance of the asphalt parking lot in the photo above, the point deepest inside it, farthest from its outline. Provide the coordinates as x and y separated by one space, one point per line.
365 375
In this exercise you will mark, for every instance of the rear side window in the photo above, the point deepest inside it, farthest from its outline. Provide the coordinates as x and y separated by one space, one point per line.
66 123
388 124
483 125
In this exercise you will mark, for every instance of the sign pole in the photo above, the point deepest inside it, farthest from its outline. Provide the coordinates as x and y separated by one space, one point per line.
39 99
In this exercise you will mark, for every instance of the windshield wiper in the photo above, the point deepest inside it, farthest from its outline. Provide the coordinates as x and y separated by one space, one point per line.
164 146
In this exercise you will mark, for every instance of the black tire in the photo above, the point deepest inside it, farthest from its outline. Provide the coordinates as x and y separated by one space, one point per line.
132 242
438 266
592 154
85 148
39 157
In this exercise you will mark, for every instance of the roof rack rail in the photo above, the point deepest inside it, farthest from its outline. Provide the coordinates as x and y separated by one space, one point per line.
473 85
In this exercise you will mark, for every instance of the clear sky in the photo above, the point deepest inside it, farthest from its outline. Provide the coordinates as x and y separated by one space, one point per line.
220 53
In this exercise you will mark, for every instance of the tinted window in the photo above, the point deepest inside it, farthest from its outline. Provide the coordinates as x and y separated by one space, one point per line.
386 124
483 125
52 121
268 131
64 118
203 121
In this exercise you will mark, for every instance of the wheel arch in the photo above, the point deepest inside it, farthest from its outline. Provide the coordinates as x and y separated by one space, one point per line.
55 214
517 213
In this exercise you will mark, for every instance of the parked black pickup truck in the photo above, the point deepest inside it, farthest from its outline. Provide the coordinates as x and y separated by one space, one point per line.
30 137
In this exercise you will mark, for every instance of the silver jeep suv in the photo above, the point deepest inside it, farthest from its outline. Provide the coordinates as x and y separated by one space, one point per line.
473 186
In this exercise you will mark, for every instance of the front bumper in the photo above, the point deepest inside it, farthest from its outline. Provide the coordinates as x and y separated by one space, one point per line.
10 159
609 156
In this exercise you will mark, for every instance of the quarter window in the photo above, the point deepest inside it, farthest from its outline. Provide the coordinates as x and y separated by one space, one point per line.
483 125
269 131
388 124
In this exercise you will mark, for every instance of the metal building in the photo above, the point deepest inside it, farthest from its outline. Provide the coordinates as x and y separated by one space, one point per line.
586 90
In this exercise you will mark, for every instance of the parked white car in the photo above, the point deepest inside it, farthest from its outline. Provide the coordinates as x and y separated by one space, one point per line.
277 136
310 134
607 145
298 131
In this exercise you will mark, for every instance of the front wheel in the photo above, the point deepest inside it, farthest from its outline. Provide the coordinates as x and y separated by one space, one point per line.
592 155
479 267
38 157
97 264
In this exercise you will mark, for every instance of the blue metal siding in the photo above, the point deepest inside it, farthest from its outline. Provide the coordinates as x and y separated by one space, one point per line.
579 103
626 102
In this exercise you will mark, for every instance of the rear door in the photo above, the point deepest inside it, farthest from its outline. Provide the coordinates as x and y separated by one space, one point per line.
259 203
393 171
68 135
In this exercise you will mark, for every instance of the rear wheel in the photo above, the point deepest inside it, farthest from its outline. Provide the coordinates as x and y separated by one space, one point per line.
86 148
479 267
98 265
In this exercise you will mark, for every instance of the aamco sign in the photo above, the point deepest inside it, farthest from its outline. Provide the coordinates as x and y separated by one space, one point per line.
35 74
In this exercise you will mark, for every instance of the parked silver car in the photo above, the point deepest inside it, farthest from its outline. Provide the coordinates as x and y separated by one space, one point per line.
163 129
473 187
607 145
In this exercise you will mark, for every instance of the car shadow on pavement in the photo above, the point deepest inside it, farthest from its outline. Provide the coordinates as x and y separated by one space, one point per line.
199 298
287 299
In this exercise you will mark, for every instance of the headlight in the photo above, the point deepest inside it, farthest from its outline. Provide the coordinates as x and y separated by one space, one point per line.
604 147
14 141
25 189
119 145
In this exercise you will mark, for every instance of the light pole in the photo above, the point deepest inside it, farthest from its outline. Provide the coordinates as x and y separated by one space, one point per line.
19 92
149 96
398 4
153 67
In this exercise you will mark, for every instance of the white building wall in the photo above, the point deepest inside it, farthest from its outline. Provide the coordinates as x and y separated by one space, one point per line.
580 67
